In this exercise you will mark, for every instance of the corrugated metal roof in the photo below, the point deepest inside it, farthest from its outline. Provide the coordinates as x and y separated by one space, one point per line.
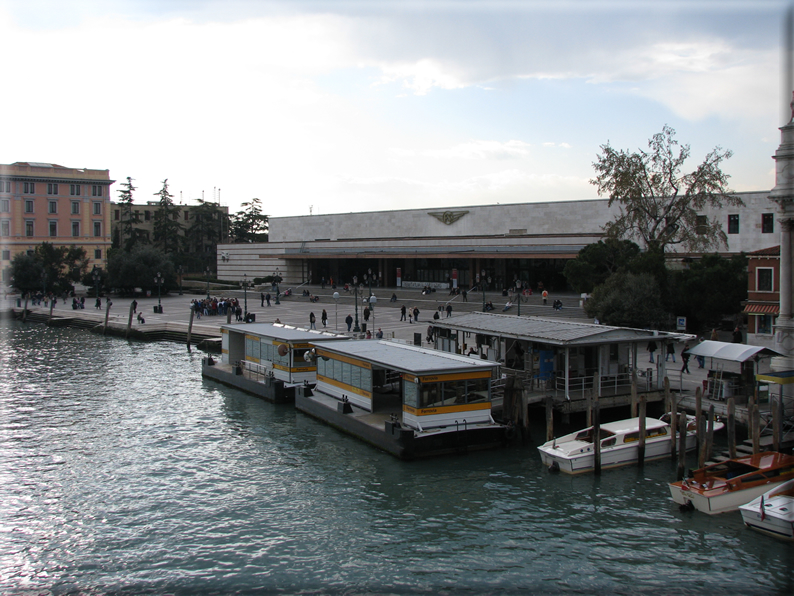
405 357
551 331
285 333
727 351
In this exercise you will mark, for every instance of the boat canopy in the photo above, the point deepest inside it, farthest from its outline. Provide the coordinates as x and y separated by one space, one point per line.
728 351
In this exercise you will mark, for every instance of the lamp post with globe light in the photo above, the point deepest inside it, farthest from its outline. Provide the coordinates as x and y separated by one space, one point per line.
336 315
159 280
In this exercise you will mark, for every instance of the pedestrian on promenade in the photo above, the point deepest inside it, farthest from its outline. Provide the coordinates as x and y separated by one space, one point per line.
324 316
98 303
449 310
134 307
267 298
416 314
312 321
402 312
546 297
262 296
685 358
379 334
349 321
651 348
670 352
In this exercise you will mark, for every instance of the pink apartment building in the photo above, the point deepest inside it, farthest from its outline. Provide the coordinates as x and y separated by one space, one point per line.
44 202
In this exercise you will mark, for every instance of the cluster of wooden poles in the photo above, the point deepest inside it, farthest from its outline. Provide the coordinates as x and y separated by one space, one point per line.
704 426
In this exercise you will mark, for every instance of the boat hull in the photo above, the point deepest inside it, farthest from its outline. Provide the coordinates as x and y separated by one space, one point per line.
778 517
622 455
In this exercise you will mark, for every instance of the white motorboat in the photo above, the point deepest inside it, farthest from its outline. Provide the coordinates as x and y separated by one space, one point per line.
574 453
773 512
727 485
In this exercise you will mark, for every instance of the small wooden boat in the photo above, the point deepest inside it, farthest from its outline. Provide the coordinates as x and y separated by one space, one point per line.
574 453
727 485
773 512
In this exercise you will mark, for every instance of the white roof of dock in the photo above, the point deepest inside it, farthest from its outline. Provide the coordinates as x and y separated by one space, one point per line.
406 357
729 351
285 333
551 331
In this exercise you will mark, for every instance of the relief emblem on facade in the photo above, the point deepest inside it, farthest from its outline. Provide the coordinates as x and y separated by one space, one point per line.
447 217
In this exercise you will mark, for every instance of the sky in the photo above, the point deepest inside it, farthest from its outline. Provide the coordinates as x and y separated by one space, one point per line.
318 107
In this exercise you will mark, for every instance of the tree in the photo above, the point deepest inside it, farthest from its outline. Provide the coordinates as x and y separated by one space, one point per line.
596 262
712 288
128 234
250 224
658 205
137 269
628 300
49 268
203 236
166 225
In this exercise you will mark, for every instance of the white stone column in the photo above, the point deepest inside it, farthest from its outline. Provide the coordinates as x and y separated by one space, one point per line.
783 195
786 290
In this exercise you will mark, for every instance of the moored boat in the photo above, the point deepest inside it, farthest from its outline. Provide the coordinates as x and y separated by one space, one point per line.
727 485
574 453
773 512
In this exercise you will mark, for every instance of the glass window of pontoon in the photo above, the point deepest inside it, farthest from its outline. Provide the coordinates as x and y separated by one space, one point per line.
410 394
478 390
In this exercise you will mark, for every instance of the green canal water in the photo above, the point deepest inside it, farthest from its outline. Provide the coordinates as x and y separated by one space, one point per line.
123 472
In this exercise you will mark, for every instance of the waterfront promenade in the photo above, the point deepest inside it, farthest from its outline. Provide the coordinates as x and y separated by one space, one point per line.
295 310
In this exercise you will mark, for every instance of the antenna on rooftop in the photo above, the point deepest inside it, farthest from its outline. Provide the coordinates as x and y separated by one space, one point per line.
311 208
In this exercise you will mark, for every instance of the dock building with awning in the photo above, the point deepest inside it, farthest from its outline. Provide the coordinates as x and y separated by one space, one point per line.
568 360
408 400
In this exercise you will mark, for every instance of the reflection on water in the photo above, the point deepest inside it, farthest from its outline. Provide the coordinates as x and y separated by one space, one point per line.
122 471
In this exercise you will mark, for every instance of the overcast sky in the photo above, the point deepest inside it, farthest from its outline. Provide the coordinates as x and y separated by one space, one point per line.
339 106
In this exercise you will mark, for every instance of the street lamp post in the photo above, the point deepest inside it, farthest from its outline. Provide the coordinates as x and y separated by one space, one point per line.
207 274
159 281
180 279
356 329
245 284
95 273
482 287
518 295
336 316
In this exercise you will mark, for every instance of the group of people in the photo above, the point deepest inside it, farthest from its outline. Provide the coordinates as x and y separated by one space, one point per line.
412 312
217 306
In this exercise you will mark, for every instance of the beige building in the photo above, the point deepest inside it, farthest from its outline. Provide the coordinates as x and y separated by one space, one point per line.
498 244
44 202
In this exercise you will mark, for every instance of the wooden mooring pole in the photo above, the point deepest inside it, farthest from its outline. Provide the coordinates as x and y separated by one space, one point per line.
673 424
190 327
107 314
25 311
634 396
731 428
756 429
777 417
549 418
641 443
710 433
681 445
699 416
596 438
129 322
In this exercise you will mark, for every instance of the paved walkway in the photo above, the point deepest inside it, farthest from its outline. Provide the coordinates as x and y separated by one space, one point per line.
294 310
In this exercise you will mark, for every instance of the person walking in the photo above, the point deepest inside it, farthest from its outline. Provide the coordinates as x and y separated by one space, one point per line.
546 297
651 348
324 318
262 301
685 358
312 320
267 298
449 310
134 307
349 321
402 312
379 334
670 352
416 314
